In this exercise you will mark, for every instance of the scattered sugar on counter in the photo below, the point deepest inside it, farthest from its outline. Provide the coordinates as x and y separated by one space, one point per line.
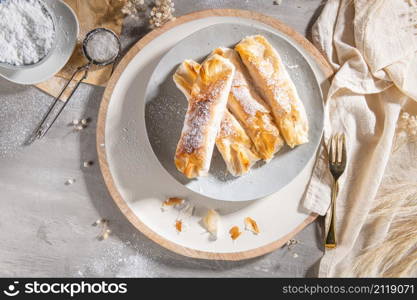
102 47
27 32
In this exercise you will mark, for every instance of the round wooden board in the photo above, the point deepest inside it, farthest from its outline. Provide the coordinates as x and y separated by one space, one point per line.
299 39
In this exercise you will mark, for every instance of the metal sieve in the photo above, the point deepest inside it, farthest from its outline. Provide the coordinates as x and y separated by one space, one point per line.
91 55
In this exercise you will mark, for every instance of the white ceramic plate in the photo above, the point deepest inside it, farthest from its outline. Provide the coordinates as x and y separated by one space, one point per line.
139 183
67 28
166 106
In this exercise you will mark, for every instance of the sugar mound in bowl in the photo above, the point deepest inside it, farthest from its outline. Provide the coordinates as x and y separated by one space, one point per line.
27 32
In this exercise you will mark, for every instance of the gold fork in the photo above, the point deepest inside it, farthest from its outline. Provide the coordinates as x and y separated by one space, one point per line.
337 165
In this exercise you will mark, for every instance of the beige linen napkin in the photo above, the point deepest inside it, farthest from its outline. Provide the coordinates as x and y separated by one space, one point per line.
372 47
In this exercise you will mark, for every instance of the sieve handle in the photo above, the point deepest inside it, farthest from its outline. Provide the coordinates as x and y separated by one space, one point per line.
44 127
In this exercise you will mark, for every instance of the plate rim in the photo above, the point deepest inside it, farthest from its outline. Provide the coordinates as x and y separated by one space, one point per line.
102 117
316 147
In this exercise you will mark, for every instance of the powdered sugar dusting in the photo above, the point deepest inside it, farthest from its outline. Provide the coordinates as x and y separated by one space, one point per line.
198 116
246 100
276 82
27 32
102 46
238 79
119 260
242 92
226 127
282 97
194 137
292 66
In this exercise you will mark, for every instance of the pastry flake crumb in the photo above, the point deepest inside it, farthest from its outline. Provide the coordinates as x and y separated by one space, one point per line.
179 225
211 223
173 202
251 225
235 232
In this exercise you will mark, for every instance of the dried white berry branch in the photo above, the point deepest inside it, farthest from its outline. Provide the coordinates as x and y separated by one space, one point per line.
133 7
161 12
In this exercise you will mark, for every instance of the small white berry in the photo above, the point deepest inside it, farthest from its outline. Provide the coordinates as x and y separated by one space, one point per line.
87 164
70 181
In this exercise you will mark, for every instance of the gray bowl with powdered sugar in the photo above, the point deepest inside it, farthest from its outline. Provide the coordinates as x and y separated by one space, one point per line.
28 31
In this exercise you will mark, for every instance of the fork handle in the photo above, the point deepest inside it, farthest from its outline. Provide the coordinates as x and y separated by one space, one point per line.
330 241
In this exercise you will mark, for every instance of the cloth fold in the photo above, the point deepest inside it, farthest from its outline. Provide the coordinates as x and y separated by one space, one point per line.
372 47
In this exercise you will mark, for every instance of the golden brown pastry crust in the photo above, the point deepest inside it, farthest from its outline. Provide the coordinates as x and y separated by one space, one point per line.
206 107
235 146
232 141
252 112
268 72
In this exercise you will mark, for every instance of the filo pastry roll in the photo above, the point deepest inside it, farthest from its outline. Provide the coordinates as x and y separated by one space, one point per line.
233 143
206 107
269 74
250 109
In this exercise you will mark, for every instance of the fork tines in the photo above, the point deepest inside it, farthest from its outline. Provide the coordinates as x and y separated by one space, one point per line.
337 153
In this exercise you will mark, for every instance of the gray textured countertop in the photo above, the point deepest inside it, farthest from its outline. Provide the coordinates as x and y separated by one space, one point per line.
45 225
